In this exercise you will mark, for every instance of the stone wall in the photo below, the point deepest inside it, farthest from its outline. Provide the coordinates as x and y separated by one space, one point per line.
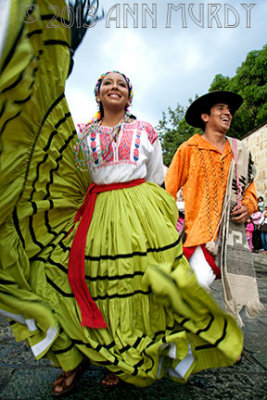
256 142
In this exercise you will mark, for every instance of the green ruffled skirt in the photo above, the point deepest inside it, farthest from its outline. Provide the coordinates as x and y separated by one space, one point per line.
160 321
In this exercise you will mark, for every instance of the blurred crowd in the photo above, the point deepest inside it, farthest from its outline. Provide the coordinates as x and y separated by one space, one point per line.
256 228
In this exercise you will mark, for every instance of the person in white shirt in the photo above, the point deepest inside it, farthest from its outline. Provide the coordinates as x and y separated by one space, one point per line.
263 229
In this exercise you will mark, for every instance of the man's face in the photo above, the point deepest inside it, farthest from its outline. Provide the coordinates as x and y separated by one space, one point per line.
219 119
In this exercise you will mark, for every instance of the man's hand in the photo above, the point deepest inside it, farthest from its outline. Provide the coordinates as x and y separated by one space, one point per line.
240 214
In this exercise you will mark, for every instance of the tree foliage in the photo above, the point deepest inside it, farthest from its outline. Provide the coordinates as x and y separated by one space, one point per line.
250 82
173 131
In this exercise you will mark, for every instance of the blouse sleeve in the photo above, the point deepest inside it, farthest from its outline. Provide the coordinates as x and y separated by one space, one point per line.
155 169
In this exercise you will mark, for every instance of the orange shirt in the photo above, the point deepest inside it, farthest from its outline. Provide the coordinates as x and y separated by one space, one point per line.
202 170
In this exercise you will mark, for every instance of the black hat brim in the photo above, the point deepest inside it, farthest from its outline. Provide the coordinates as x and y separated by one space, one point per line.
204 103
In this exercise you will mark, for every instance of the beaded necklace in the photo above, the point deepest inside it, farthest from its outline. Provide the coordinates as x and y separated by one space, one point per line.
90 130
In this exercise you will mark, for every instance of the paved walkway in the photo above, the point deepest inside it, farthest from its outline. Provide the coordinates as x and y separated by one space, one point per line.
24 378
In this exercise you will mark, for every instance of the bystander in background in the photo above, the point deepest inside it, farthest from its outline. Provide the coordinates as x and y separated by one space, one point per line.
249 233
263 230
261 204
256 237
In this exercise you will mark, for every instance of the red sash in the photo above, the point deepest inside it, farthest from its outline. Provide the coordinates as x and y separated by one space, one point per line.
91 315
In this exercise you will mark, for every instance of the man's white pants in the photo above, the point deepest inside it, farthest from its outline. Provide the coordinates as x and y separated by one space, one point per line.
201 267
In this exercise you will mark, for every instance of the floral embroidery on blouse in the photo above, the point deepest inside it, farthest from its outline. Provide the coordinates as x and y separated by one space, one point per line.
151 133
104 149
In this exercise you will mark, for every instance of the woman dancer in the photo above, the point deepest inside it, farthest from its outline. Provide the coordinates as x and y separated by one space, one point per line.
97 276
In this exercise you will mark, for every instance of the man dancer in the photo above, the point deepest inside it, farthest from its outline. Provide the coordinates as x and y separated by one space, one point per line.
217 176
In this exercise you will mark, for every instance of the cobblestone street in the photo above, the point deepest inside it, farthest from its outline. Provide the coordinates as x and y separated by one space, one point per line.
24 378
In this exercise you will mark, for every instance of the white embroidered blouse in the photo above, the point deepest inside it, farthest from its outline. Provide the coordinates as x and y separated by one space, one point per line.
135 154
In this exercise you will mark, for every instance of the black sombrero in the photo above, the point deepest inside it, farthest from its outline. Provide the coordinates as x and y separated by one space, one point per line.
204 103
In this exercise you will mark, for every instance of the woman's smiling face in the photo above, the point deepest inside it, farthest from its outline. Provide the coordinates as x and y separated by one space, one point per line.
114 91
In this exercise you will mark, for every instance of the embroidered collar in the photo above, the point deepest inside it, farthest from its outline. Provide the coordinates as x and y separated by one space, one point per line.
91 130
198 141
